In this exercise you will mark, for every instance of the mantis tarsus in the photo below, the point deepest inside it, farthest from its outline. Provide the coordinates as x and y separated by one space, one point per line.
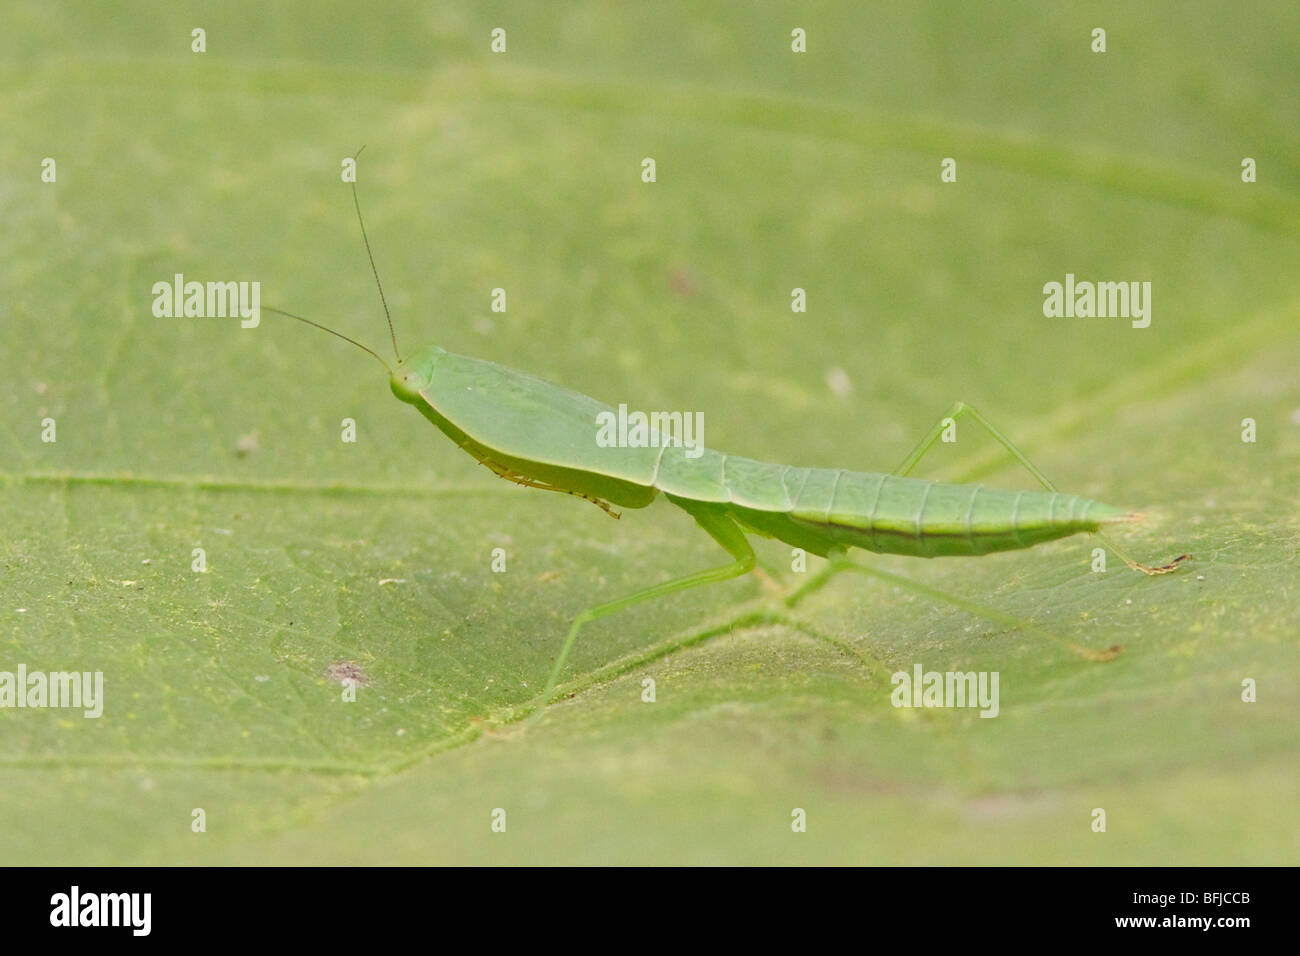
540 435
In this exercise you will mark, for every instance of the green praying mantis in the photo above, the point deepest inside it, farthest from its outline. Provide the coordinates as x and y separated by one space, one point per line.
540 435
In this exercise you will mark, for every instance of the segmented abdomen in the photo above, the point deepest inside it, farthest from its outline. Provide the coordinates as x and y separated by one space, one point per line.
814 507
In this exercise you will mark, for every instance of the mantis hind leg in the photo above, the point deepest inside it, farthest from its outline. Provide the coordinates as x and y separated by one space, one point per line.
838 561
960 409
720 527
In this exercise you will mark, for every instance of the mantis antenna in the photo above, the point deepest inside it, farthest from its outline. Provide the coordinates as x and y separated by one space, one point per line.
325 328
366 239
383 301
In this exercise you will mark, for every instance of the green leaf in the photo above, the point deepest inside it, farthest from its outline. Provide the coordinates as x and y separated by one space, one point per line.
521 171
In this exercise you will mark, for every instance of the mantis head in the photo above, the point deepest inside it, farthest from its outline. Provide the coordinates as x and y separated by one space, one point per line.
414 373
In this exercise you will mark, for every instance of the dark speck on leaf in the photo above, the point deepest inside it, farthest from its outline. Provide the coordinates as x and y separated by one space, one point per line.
682 283
343 671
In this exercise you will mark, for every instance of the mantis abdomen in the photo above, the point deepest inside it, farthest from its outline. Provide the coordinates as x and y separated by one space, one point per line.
926 519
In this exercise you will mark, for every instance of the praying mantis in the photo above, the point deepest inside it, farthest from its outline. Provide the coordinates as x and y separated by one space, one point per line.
540 435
